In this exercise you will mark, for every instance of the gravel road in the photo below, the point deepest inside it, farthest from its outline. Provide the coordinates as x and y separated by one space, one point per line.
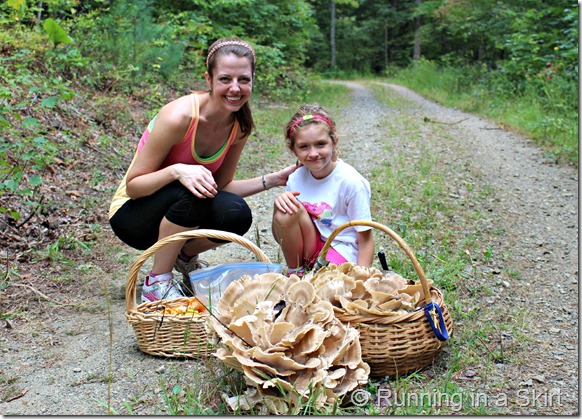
62 362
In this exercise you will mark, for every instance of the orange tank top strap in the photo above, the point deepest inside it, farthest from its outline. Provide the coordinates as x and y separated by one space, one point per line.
185 151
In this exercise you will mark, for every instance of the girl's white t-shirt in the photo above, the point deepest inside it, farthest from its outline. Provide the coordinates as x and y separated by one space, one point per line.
342 196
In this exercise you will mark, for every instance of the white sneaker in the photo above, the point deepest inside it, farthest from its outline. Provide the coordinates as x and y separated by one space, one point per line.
164 288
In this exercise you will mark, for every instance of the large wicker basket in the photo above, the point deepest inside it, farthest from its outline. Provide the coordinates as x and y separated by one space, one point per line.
400 344
167 335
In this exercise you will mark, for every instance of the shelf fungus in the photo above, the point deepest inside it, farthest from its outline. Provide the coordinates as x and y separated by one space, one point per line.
357 290
288 344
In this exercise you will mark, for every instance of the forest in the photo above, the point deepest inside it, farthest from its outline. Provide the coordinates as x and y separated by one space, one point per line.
516 61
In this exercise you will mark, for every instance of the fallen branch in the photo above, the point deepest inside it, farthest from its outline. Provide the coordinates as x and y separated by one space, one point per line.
38 293
33 213
427 119
17 396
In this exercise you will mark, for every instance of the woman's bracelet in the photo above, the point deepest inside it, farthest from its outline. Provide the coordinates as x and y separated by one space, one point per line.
264 182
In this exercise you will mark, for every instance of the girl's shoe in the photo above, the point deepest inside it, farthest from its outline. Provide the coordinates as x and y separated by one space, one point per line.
300 271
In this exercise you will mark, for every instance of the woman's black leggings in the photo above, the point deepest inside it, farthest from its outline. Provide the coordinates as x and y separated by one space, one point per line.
137 222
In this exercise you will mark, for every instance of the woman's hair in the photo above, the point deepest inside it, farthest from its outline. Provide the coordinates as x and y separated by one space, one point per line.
240 48
309 114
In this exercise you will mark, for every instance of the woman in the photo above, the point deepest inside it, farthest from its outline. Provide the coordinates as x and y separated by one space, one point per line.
181 177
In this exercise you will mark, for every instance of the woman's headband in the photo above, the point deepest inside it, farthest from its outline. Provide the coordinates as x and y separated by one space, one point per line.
307 118
226 43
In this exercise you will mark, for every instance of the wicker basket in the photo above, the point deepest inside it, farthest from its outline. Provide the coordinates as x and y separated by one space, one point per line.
400 344
167 335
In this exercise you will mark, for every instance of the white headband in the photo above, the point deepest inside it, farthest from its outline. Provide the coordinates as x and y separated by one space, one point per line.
226 43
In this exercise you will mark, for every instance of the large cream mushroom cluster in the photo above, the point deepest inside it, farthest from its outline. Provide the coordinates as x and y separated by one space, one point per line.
358 290
287 342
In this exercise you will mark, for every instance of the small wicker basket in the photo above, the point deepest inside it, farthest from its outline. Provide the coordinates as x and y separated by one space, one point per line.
167 335
400 344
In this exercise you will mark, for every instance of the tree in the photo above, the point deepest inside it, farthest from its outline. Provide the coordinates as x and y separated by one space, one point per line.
332 34
417 28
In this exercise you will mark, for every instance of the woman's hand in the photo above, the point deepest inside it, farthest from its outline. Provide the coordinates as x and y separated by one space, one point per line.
198 179
287 203
280 178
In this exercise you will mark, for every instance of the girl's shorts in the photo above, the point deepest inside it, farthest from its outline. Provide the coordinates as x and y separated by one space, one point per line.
333 256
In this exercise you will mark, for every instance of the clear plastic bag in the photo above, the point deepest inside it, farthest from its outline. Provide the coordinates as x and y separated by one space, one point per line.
209 283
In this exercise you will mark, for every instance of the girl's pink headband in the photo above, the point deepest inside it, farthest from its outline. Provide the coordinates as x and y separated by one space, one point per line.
307 118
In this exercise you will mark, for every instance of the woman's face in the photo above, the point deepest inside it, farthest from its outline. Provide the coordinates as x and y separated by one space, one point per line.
314 148
232 81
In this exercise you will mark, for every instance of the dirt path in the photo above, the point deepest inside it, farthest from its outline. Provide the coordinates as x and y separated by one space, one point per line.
535 204
62 364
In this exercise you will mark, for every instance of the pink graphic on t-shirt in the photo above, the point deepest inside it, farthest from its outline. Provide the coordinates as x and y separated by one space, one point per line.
321 211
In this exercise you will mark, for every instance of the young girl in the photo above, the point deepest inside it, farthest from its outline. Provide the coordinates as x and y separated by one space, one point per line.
323 193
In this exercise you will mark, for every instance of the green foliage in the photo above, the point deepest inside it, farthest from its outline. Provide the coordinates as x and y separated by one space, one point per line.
55 252
56 34
33 13
25 98
544 108
139 44
132 47
543 42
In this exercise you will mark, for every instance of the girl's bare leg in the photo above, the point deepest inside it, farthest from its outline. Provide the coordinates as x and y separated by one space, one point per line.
296 234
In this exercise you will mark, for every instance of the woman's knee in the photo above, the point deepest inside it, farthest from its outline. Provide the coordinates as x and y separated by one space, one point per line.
232 213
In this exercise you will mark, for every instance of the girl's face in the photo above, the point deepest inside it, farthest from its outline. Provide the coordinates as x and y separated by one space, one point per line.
232 81
314 148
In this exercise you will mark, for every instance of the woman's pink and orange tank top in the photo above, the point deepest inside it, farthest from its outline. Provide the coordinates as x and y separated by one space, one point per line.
183 152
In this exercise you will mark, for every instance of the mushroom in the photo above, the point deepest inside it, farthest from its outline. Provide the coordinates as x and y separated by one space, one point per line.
321 312
371 293
287 342
327 285
301 292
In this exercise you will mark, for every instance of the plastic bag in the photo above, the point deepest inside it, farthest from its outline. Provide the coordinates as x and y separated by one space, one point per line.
209 283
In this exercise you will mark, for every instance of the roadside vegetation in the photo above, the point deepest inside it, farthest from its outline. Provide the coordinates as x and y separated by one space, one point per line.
544 109
77 91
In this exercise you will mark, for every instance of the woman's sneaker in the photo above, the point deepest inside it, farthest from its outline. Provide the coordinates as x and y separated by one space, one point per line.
160 287
187 266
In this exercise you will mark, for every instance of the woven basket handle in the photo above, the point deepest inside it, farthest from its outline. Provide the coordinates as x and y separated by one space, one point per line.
178 237
394 236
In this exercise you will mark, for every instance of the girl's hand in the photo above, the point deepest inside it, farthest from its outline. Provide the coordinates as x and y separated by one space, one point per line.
197 179
287 203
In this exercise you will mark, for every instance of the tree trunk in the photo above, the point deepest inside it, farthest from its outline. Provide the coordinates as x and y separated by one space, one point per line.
418 26
39 14
385 45
332 34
